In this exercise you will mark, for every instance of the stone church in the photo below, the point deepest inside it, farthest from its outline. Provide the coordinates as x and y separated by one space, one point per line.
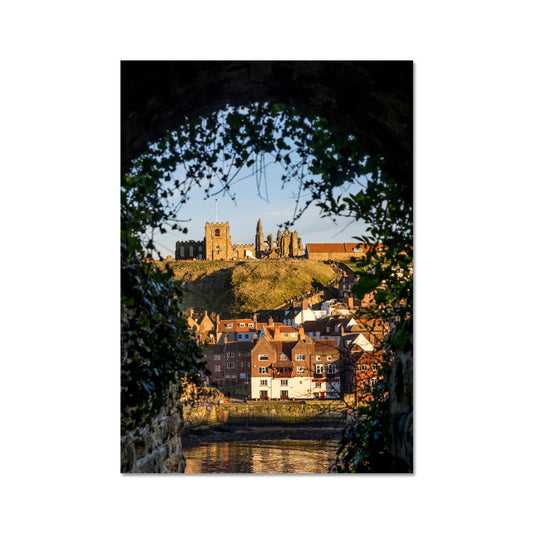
217 245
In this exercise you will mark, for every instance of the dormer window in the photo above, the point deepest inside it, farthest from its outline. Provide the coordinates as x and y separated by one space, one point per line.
283 356
229 326
241 324
250 325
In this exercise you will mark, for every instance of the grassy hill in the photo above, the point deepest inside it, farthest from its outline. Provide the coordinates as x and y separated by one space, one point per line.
241 288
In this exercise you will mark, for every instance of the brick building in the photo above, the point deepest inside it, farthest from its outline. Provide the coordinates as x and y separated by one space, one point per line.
296 368
337 251
229 363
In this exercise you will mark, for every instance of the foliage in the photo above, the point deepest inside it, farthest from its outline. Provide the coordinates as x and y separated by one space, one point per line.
217 151
155 346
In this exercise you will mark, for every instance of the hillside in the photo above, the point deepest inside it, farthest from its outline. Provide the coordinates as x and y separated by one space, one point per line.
242 288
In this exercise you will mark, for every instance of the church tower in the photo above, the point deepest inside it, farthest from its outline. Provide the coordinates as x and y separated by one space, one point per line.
218 241
259 240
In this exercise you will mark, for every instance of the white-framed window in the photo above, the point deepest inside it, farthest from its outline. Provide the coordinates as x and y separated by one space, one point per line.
230 364
217 368
233 376
331 368
330 358
242 364
247 354
284 382
373 380
362 367
318 384
241 324
229 325
248 364
263 370
293 334
300 369
318 357
263 382
374 366
283 356
263 357
250 325
319 369
216 357
227 376
230 354
300 357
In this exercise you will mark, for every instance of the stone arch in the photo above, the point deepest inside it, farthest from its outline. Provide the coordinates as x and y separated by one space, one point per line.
372 100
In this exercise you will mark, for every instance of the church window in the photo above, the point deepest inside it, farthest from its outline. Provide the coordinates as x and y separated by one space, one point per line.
191 251
217 233
182 251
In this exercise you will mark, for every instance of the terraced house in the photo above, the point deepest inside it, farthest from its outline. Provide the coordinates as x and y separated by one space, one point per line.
286 368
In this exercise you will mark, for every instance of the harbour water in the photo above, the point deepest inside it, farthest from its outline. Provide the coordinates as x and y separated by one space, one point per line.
284 456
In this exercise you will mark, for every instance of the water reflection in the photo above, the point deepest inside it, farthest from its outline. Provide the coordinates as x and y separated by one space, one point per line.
261 457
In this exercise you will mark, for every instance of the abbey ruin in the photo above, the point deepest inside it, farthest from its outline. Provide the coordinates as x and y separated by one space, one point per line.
217 245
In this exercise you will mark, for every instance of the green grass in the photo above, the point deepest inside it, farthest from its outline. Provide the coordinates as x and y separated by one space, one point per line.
241 288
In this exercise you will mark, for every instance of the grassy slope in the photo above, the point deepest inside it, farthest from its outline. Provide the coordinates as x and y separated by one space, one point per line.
237 288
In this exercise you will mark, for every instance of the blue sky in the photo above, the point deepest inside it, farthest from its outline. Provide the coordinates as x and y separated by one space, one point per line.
274 206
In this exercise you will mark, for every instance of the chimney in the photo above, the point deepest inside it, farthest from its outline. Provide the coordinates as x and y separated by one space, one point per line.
301 333
277 334
305 304
255 320
270 321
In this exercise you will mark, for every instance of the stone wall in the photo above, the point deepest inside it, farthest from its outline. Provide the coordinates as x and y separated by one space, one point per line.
156 447
267 413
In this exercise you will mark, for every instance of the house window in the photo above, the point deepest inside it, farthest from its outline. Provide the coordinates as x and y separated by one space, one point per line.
319 369
248 364
318 357
233 376
374 367
362 367
217 357
299 369
263 370
330 358
250 325
332 368
318 384
300 357
227 376
263 382
284 382
293 334
263 357
242 364
229 326
285 335
241 324
240 336
217 368
230 354
230 364
283 356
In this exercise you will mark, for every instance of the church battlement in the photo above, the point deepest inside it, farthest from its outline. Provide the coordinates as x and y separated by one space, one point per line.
217 245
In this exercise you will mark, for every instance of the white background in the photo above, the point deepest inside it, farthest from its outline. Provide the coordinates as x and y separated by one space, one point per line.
60 118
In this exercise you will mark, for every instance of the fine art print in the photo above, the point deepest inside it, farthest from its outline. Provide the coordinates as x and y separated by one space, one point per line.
266 267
